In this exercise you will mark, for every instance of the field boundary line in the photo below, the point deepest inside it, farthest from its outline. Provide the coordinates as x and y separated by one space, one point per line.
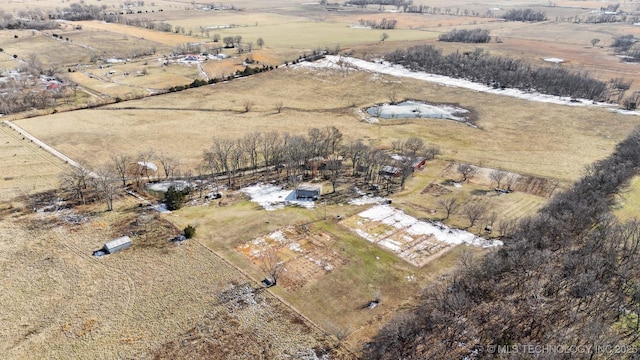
42 144
30 147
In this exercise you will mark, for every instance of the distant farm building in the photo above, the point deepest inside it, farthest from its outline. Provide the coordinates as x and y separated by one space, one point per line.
143 168
418 163
118 244
308 192
390 171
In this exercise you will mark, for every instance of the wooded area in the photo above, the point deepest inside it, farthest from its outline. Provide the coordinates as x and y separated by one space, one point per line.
566 277
502 72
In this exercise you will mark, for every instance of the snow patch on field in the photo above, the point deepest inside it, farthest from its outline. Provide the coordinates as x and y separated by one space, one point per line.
399 220
554 60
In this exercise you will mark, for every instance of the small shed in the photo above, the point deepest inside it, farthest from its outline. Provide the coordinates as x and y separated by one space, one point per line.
418 163
308 191
118 244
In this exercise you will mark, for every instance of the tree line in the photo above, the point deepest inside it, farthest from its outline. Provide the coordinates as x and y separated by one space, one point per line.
32 19
321 153
385 24
502 72
363 3
525 15
466 36
567 276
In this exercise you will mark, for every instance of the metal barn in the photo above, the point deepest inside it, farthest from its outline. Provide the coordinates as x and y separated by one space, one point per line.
118 244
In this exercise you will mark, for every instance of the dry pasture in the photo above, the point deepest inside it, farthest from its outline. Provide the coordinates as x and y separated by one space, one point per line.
25 167
59 301
551 141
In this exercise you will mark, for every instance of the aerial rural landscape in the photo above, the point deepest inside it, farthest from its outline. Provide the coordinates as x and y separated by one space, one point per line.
367 179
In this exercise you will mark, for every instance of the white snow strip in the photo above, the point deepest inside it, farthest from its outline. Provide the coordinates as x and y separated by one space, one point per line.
398 219
384 67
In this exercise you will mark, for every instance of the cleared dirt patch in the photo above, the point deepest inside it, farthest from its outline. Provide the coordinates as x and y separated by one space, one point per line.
305 252
435 190
534 185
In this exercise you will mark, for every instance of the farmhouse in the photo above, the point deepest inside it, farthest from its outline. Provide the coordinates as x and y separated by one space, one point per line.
118 244
308 191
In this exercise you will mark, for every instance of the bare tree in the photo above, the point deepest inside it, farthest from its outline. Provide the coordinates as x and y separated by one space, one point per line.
268 146
272 264
237 40
77 181
474 212
121 164
507 227
413 146
467 171
497 176
393 97
237 160
340 332
333 139
247 105
594 42
169 164
221 151
334 165
491 219
511 180
106 184
449 205
355 151
384 37
279 106
250 144
145 166
260 42
431 152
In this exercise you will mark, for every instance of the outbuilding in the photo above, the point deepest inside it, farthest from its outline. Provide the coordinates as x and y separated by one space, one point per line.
118 244
308 192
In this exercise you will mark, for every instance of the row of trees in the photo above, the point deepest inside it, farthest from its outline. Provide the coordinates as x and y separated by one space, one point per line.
625 45
567 276
502 72
33 19
525 15
384 24
320 153
397 3
466 36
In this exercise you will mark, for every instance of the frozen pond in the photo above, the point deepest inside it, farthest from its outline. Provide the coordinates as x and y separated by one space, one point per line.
165 185
415 109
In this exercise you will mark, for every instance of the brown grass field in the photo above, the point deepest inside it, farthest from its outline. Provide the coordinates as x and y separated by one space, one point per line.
534 138
167 301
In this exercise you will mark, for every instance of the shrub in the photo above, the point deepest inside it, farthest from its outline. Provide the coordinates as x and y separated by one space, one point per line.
175 198
189 231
